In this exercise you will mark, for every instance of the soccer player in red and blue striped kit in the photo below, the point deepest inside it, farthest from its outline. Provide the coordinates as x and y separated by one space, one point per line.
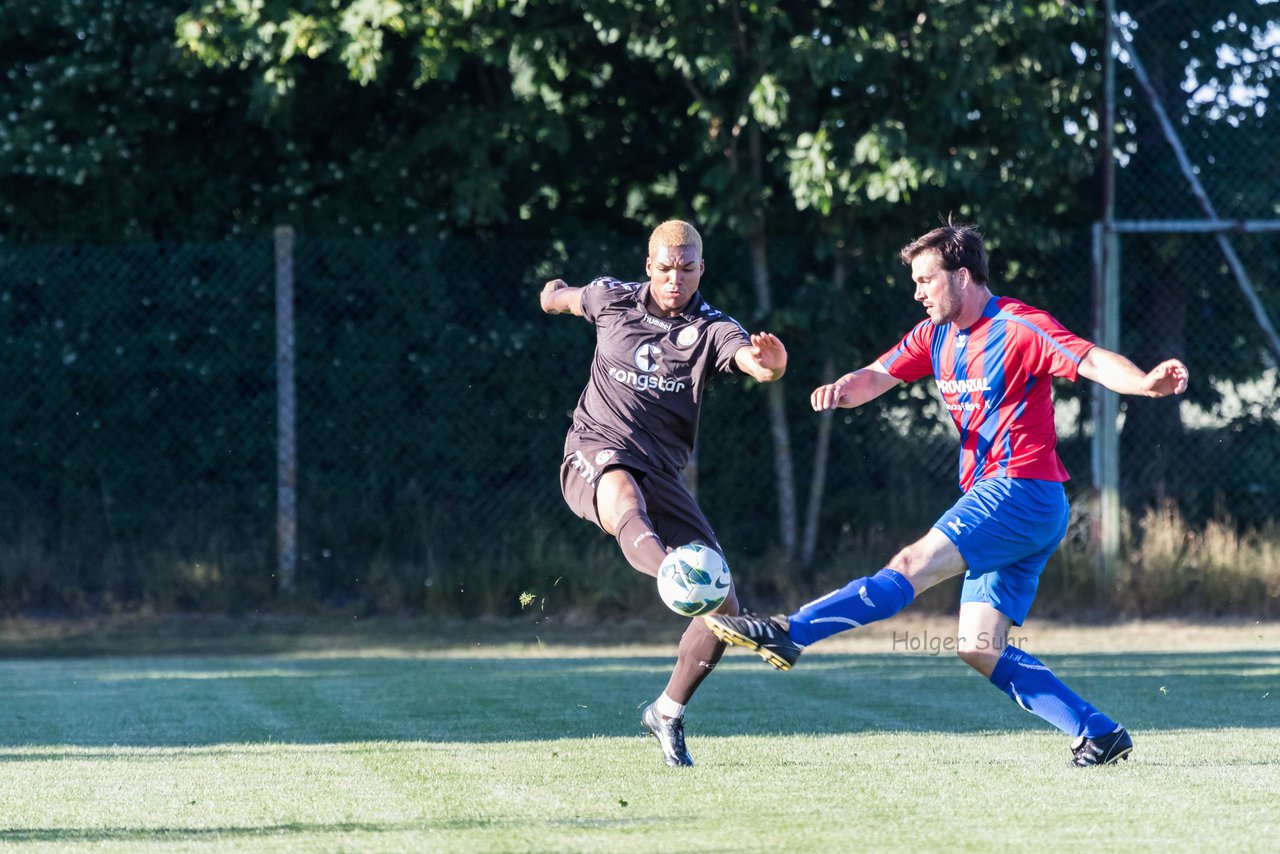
993 359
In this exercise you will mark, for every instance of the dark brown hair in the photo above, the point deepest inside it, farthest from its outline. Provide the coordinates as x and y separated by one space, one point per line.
959 246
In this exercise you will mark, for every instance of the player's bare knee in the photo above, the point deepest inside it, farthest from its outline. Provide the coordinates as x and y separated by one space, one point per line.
911 563
977 655
903 561
927 561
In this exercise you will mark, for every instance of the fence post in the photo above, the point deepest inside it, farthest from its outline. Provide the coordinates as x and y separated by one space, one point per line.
286 437
1105 447
1104 504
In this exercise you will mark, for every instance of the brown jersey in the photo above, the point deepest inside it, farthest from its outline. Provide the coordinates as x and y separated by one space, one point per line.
649 374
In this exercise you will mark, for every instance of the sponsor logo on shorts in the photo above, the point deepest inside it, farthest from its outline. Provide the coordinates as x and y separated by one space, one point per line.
955 525
604 457
585 470
687 336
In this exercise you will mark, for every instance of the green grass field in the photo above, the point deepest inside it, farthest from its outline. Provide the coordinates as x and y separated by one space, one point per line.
489 739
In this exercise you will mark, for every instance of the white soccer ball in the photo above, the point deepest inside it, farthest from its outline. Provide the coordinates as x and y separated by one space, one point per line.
693 580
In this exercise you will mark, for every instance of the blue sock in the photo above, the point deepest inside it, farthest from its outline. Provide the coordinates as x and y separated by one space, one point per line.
1034 687
856 604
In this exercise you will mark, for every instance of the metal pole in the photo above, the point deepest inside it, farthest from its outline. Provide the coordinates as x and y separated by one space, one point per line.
1104 532
286 436
1104 527
1195 226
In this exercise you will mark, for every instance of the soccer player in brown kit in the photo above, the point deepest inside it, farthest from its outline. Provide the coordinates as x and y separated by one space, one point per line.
658 343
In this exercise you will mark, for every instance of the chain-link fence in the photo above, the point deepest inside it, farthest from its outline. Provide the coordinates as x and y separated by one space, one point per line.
1197 215
432 401
138 388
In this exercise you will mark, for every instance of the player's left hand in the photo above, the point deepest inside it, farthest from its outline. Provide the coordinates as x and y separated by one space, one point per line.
768 351
1168 377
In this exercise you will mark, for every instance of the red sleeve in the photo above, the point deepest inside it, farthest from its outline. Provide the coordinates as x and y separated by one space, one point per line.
1051 348
912 358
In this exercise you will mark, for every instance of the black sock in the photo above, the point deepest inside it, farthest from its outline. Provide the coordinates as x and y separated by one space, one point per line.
642 547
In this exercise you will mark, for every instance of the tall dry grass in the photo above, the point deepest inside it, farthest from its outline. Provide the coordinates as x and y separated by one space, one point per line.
1171 567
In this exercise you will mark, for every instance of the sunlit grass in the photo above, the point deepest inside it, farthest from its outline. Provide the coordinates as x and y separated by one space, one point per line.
397 744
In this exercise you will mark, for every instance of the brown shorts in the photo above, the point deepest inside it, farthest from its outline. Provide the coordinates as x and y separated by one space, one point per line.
676 517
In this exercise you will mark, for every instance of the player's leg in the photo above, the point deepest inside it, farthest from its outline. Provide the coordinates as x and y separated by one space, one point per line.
984 646
624 513
681 521
779 640
872 598
611 499
1007 553
982 636
700 651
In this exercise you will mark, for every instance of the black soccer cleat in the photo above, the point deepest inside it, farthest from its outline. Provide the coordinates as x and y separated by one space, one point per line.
768 636
1102 749
670 734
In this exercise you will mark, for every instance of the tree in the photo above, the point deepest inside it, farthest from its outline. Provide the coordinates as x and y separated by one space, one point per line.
764 118
115 129
107 134
517 110
1209 72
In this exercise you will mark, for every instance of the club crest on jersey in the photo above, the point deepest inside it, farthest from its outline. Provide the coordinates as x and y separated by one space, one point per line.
687 336
604 456
647 357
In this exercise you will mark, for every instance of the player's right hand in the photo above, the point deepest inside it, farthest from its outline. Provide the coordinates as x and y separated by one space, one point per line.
547 290
827 396
1168 377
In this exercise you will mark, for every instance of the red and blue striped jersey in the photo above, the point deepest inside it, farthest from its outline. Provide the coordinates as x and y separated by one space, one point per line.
994 378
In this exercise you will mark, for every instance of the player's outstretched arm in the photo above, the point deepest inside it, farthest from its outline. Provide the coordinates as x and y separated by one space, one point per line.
853 389
557 297
1124 377
765 360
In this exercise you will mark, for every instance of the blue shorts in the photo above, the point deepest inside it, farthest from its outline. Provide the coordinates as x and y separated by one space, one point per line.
1005 529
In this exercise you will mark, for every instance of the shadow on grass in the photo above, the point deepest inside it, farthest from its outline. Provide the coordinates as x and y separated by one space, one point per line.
310 832
215 701
264 634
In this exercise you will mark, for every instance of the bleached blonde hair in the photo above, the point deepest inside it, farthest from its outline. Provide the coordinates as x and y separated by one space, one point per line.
674 232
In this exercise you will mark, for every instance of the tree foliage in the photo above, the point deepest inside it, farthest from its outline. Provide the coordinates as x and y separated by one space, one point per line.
809 138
